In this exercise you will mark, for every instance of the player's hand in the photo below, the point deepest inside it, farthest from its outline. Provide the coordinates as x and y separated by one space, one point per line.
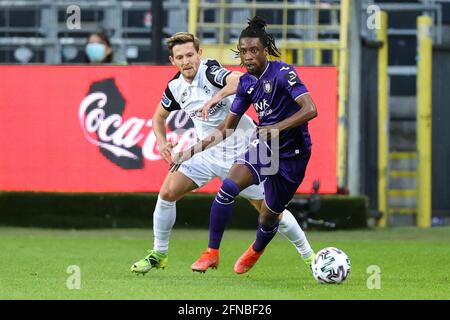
178 159
208 105
268 133
166 151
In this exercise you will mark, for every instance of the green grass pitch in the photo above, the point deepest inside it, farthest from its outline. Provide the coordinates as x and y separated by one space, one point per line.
414 264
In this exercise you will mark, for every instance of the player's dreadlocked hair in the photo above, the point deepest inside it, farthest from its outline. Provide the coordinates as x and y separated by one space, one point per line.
257 29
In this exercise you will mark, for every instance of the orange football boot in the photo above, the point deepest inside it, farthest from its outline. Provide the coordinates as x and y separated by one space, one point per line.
247 260
208 259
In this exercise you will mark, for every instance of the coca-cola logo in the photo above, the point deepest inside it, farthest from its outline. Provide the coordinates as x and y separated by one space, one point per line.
126 142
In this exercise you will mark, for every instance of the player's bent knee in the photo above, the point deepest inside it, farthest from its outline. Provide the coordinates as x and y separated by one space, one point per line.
257 204
241 175
165 204
229 189
268 221
169 194
267 217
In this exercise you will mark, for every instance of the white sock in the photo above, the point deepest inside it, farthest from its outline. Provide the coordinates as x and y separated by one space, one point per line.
290 228
163 220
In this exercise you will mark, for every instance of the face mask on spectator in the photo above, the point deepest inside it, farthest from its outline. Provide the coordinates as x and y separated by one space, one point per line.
96 51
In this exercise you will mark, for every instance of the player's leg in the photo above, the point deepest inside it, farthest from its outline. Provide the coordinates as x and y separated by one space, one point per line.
269 221
289 228
278 191
175 186
295 168
192 174
238 179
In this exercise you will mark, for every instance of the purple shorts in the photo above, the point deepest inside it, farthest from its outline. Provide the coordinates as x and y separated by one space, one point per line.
281 177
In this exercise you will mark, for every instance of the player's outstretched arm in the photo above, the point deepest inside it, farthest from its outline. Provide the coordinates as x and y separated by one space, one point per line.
159 128
232 81
223 131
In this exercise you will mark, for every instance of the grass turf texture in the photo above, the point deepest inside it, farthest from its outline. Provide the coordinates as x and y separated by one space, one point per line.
414 264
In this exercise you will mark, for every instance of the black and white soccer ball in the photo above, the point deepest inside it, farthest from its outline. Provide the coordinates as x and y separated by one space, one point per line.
331 265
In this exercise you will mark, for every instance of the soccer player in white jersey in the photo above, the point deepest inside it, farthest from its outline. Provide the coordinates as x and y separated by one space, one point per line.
196 84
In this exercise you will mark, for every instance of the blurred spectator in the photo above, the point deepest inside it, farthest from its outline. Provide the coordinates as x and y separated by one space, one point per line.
98 48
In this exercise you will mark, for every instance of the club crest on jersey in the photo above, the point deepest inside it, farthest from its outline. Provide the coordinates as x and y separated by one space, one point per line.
207 91
184 96
267 86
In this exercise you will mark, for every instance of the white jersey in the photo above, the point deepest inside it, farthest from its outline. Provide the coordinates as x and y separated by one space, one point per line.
190 97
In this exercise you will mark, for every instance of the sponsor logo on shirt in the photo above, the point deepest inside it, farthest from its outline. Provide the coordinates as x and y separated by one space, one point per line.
262 108
198 113
262 105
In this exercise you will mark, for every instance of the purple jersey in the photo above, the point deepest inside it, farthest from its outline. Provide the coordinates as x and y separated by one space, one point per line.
273 96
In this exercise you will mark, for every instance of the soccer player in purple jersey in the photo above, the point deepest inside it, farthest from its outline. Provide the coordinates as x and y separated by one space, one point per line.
279 154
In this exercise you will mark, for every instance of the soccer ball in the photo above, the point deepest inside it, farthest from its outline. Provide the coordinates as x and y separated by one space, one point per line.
331 265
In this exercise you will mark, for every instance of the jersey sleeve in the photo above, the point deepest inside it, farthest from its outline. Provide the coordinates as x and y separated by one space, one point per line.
241 102
216 74
168 101
292 83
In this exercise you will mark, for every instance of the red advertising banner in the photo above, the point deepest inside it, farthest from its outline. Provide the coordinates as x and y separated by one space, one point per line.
89 128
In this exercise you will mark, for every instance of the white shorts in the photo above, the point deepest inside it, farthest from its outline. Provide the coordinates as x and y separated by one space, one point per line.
204 166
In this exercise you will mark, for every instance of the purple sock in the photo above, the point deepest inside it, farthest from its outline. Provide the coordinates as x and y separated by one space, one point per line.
221 210
264 235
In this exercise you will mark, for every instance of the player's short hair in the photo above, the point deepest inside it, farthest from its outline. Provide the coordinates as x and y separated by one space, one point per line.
182 38
257 29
